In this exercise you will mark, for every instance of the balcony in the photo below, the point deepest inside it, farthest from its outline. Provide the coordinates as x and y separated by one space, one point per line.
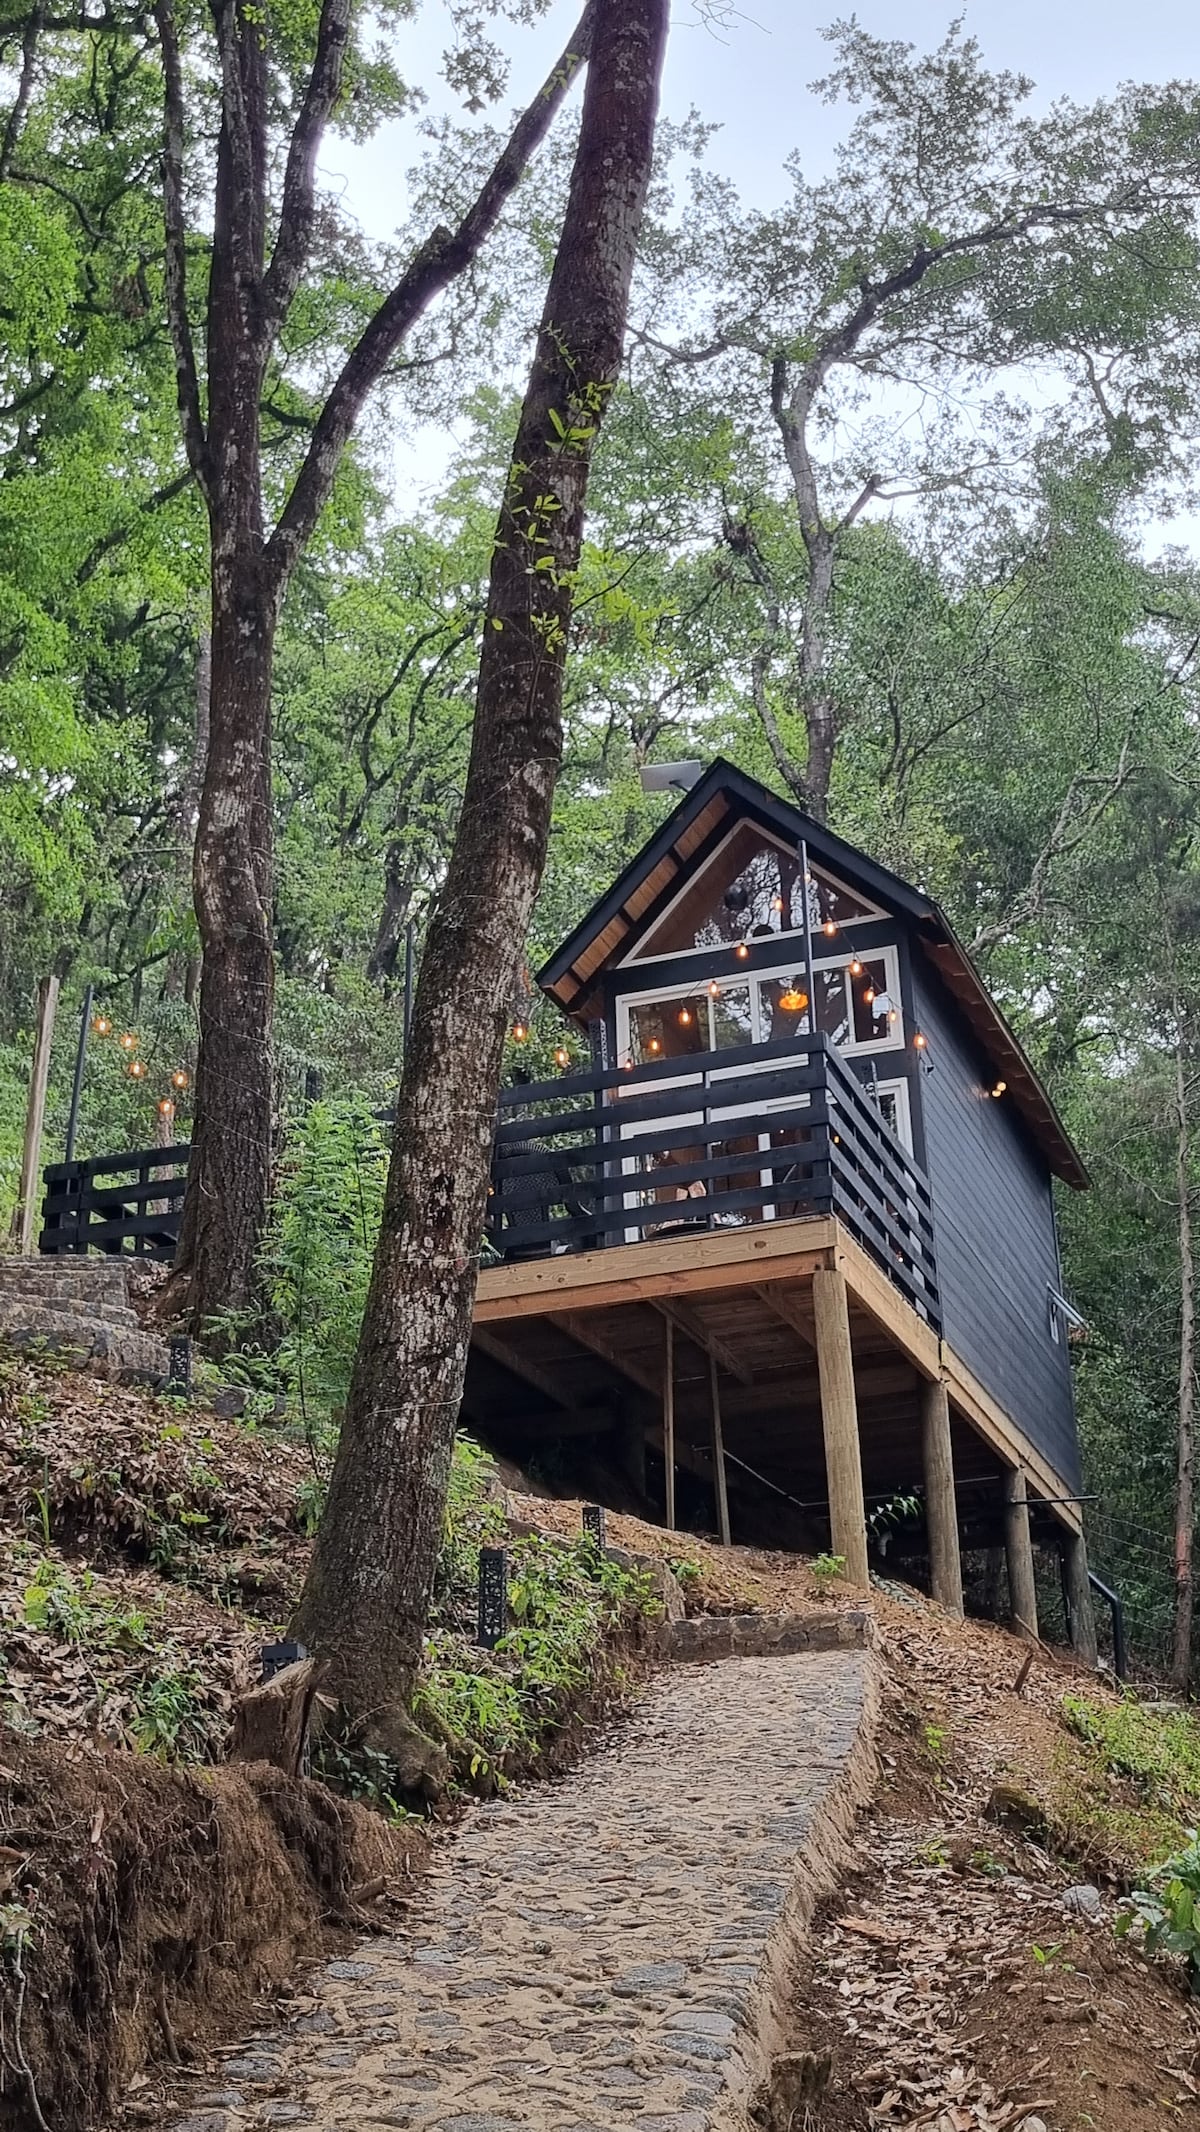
724 1140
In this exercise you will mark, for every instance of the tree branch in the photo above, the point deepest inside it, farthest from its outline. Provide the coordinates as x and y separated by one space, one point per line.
187 382
16 117
117 536
444 254
299 185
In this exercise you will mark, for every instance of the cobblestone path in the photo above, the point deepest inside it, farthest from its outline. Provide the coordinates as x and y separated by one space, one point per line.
602 1952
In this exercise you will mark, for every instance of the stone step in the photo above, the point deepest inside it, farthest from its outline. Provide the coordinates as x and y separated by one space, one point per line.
122 1349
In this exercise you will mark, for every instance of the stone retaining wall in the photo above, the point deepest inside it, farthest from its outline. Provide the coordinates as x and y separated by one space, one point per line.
78 1307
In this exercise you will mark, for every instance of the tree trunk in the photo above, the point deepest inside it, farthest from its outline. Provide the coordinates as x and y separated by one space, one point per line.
182 971
229 1171
1184 1479
364 1605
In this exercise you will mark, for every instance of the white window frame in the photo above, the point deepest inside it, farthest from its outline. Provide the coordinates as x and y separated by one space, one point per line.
900 1090
872 914
892 1040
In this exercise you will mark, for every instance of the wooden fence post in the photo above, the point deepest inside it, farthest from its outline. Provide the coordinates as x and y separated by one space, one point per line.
29 1199
1022 1589
839 1421
669 1418
941 1508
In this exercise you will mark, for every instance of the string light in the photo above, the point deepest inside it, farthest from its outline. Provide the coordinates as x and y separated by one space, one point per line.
829 928
793 1001
999 1089
101 1025
742 951
855 966
920 1040
562 1056
128 1041
520 1031
137 1069
654 1044
685 1016
869 994
714 990
180 1078
166 1109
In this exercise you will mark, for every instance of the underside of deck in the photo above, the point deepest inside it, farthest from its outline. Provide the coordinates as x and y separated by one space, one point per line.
568 1358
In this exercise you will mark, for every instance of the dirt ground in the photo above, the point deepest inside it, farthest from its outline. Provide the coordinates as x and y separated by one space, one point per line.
147 1551
951 1987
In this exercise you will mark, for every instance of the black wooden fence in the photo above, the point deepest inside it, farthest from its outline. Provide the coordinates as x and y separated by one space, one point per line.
714 1140
717 1140
116 1203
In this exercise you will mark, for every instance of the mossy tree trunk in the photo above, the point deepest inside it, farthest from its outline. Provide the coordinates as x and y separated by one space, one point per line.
365 1602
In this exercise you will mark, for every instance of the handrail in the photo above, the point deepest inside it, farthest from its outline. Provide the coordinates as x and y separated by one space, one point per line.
611 1155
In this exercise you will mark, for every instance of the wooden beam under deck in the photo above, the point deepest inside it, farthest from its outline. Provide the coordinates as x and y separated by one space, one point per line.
691 1264
749 1295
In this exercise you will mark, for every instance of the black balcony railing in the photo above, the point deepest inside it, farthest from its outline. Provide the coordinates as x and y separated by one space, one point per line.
718 1139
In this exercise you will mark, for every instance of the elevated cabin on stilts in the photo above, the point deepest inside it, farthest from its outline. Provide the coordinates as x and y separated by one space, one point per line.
785 1251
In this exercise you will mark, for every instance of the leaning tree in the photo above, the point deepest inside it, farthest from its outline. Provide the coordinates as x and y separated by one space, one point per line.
364 1604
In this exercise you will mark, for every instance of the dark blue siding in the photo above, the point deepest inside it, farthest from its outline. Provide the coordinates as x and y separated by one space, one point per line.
994 1227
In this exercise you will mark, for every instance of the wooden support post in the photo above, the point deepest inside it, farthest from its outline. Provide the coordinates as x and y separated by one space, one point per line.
29 1198
839 1421
1018 1547
1081 1618
668 1406
631 1451
941 1509
719 1454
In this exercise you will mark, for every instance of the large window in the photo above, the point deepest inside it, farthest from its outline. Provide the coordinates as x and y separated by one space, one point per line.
857 1005
750 888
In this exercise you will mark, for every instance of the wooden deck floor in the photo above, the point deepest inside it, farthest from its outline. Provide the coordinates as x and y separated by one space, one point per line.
573 1347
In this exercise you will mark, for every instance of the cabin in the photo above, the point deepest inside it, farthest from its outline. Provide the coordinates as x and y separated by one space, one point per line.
772 1254
775 1251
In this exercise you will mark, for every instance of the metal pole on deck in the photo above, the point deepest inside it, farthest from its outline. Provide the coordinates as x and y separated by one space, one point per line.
85 1023
806 934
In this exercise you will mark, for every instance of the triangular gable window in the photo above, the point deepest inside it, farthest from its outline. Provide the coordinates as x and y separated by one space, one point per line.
749 888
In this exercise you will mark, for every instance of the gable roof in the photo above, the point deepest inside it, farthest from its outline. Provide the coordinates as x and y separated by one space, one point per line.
724 795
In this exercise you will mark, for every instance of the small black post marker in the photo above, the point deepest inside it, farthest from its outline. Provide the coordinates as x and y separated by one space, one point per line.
493 1596
593 1524
179 1366
275 1656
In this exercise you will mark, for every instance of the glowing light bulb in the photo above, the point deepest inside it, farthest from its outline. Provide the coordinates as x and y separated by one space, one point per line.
166 1109
920 1040
128 1041
793 1001
714 990
180 1078
562 1056
829 928
869 994
101 1025
777 903
685 1016
654 1044
999 1089
855 966
520 1031
137 1069
742 951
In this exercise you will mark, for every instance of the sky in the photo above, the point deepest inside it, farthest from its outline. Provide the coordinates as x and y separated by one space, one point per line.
753 78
